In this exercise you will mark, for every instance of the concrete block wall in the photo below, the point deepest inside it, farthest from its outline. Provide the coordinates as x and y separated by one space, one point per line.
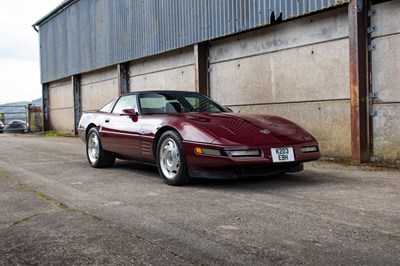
298 70
62 106
171 70
386 81
98 88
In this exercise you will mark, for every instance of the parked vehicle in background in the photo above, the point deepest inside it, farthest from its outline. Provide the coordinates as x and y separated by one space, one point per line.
1 127
16 126
24 112
186 134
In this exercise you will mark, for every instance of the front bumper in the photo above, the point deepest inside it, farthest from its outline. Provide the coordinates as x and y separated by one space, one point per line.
228 167
246 172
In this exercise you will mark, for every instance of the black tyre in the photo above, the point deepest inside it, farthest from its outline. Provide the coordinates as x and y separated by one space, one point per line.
171 159
97 157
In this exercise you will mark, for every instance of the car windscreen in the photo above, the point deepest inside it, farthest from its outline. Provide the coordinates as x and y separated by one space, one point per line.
177 102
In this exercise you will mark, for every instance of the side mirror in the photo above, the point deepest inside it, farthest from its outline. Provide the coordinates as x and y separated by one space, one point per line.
131 113
128 112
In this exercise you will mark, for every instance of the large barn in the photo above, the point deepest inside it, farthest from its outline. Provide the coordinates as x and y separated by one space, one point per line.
330 65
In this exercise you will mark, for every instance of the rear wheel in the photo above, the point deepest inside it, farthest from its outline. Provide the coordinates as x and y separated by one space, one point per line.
171 159
97 157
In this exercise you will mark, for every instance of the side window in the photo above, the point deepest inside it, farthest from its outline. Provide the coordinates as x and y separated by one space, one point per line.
125 102
152 103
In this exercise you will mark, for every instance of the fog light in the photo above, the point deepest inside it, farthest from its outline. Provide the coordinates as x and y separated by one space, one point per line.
245 153
309 149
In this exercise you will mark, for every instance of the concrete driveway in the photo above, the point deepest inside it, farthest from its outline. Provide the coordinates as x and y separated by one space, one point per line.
56 209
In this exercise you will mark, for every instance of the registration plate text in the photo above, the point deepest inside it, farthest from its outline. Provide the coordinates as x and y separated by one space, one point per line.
285 154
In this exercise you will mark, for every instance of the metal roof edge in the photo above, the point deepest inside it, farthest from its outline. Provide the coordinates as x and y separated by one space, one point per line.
60 8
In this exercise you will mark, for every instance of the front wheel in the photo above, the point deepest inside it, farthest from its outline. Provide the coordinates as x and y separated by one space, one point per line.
97 157
171 159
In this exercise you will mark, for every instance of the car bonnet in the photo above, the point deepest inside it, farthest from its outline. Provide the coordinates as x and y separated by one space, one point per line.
234 129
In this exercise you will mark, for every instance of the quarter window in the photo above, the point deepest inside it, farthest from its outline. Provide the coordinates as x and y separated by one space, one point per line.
108 107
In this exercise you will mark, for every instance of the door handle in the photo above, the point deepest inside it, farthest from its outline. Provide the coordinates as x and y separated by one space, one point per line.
107 120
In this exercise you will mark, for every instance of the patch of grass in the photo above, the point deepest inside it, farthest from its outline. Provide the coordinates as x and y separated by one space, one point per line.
22 186
60 205
43 196
65 207
25 219
53 134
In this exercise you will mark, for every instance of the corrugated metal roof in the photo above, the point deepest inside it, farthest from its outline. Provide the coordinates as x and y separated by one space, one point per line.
84 35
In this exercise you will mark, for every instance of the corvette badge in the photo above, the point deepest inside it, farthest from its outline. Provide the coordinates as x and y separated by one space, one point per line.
265 131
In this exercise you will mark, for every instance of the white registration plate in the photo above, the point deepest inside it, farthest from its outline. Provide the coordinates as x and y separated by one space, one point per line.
282 154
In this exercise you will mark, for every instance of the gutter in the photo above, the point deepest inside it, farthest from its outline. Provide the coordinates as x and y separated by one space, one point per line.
59 9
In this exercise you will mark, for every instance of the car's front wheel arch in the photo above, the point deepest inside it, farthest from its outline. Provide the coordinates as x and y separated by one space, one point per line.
171 158
157 137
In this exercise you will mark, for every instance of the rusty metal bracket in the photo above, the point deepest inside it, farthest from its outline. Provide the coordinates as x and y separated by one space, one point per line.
373 96
371 29
371 47
360 4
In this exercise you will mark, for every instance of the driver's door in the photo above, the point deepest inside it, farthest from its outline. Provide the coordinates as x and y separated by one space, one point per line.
120 132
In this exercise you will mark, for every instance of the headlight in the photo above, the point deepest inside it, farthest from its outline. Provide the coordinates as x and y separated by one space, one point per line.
309 149
235 153
245 153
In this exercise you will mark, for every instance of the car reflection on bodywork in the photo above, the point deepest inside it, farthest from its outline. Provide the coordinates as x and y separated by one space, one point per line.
16 126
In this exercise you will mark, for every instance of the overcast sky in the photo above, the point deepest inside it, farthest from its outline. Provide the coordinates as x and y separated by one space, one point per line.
19 49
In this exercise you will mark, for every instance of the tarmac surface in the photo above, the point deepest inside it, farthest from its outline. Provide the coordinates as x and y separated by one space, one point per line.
55 209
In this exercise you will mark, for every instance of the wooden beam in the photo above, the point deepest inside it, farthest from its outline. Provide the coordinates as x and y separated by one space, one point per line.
359 75
76 84
46 106
201 68
123 80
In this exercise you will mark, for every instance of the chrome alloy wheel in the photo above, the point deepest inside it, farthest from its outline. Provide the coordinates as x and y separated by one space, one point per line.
93 147
169 158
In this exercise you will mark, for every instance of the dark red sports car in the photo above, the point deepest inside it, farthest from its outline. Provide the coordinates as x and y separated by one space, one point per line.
188 135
